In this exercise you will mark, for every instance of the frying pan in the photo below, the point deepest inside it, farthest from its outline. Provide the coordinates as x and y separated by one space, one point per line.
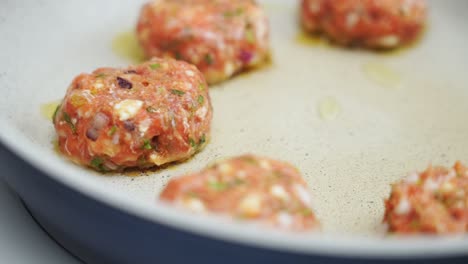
391 113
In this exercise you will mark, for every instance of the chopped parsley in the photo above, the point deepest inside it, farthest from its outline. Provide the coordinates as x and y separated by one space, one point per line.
98 164
306 212
147 144
112 131
201 99
155 66
55 112
233 13
101 75
202 140
178 55
278 174
67 119
217 186
250 160
221 186
192 142
250 36
177 92
414 224
209 59
192 194
238 181
201 87
151 109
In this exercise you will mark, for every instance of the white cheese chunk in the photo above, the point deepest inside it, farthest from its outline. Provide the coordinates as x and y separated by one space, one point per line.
127 108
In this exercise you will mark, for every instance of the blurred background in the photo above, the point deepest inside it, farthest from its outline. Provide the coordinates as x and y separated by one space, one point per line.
21 239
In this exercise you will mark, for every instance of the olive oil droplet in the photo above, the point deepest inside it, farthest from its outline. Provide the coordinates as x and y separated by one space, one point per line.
309 39
329 109
382 75
126 46
48 109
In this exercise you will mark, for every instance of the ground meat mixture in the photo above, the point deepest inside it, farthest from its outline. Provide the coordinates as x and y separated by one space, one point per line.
247 188
434 201
221 37
371 23
140 116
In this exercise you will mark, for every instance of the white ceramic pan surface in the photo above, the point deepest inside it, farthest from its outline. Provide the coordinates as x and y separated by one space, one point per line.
388 114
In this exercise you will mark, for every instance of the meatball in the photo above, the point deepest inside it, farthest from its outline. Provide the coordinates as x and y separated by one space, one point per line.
434 201
220 37
141 116
249 188
379 24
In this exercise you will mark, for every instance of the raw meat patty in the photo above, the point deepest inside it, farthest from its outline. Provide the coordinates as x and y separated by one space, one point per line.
434 201
371 23
141 116
247 188
220 37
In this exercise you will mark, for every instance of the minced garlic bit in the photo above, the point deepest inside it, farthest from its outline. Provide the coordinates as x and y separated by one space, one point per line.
352 19
412 178
284 219
128 108
250 206
431 185
144 125
279 192
302 194
194 205
329 109
447 187
264 164
225 168
403 206
98 84
389 41
229 68
189 73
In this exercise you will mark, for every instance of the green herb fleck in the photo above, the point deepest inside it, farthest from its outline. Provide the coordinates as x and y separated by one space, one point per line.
306 211
155 66
55 112
202 140
201 87
217 186
250 160
177 92
278 174
192 194
238 181
231 13
192 142
201 99
98 164
101 75
250 36
112 131
147 144
209 59
67 119
414 224
151 109
178 55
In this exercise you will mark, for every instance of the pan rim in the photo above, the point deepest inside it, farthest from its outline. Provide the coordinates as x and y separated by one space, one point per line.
328 244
